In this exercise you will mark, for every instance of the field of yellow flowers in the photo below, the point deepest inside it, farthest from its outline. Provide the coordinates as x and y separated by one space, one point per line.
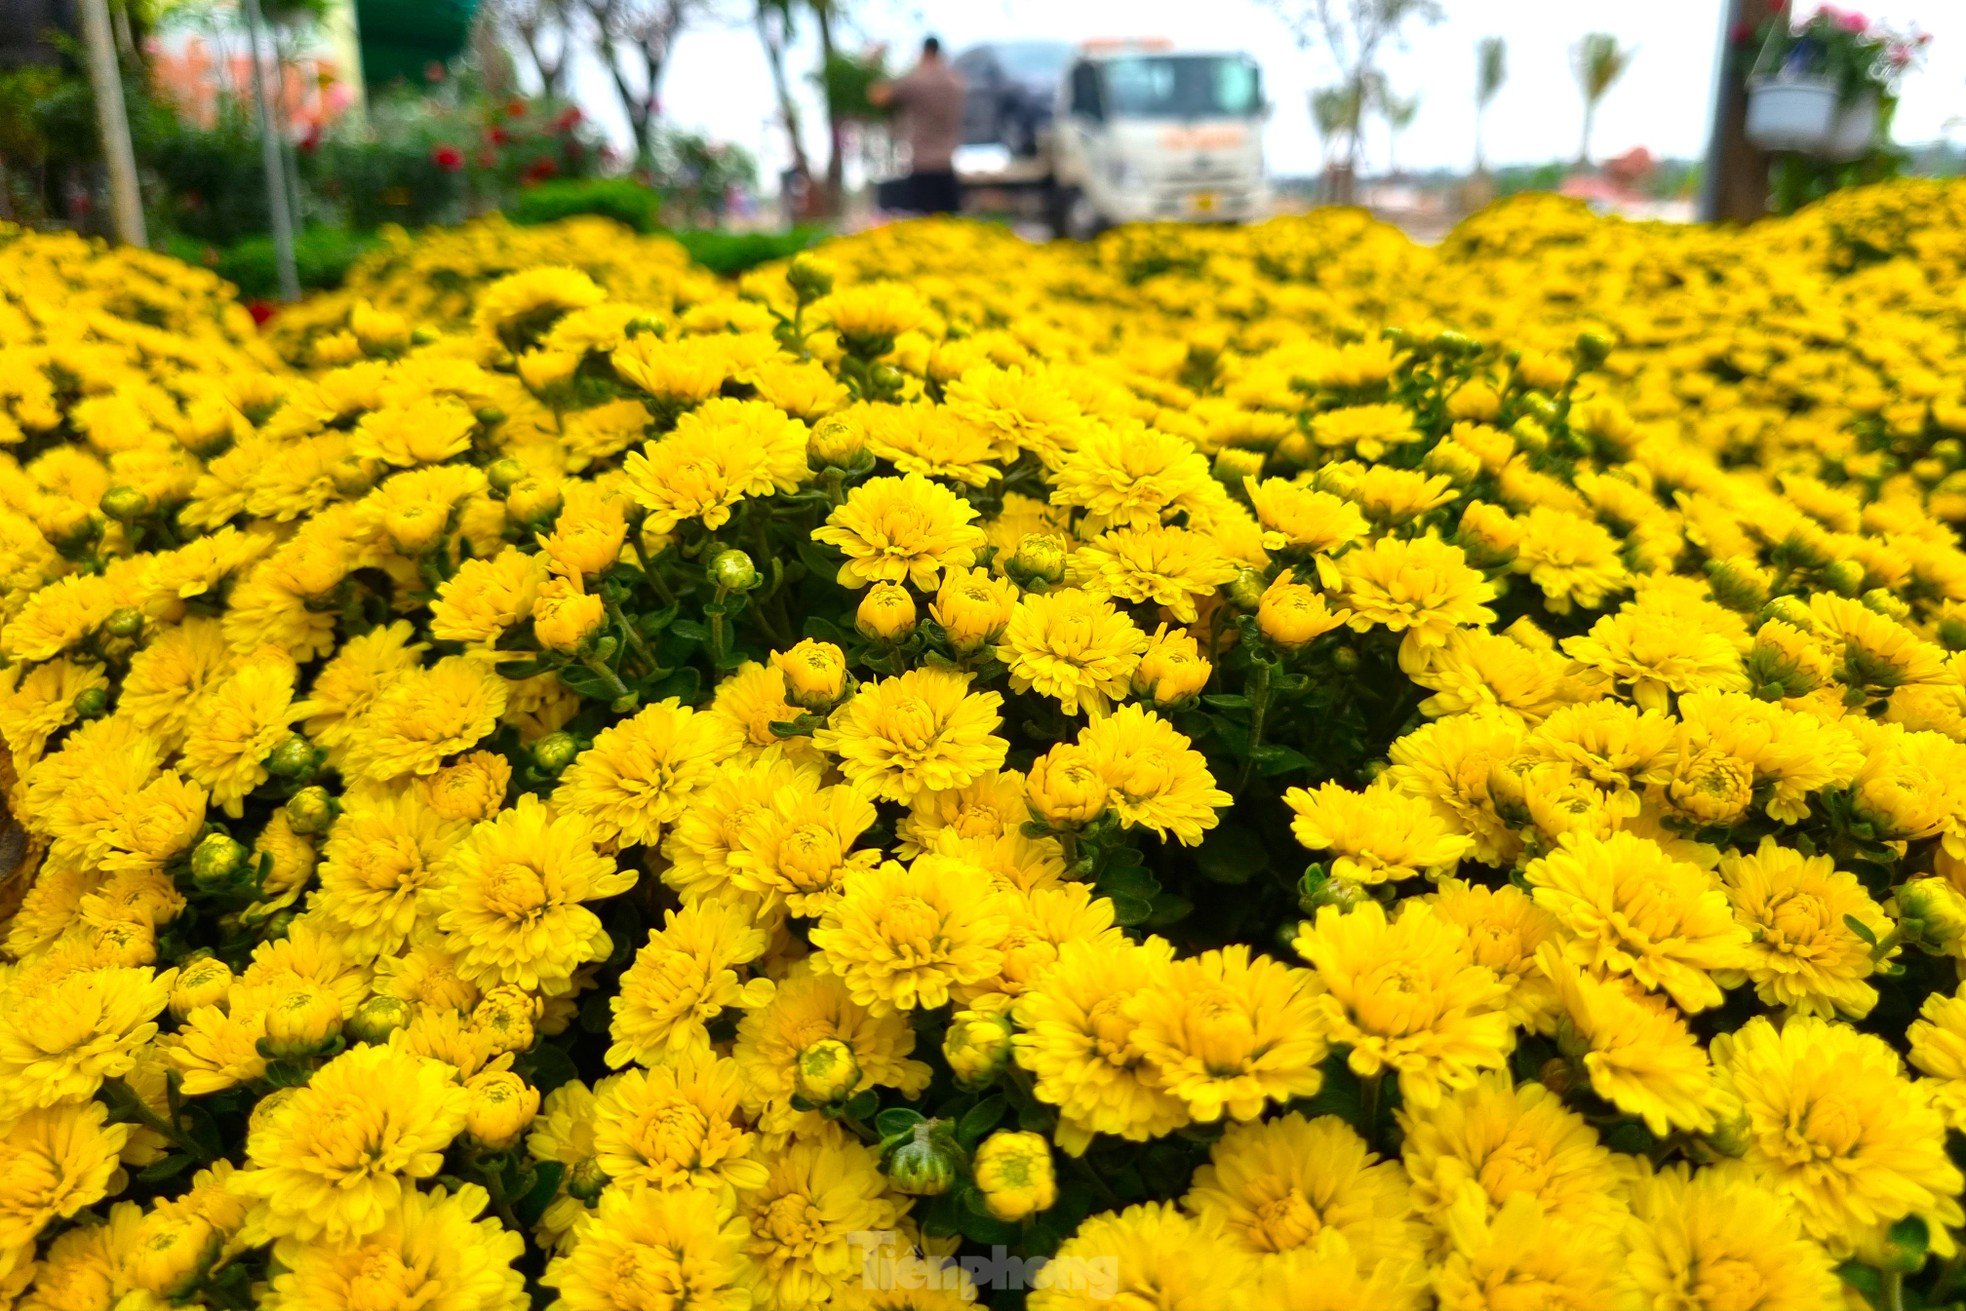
1252 770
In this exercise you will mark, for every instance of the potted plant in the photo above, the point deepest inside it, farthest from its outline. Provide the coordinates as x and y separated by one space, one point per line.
1824 86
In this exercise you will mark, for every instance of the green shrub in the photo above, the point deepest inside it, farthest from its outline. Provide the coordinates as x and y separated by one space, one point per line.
322 257
624 200
731 253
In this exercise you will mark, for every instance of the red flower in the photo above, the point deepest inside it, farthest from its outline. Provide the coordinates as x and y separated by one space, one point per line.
569 118
261 311
448 158
498 136
538 171
433 72
515 108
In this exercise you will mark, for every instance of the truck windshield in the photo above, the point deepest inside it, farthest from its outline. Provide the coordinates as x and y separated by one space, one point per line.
1182 86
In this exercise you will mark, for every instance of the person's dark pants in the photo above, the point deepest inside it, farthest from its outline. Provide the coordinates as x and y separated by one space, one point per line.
934 191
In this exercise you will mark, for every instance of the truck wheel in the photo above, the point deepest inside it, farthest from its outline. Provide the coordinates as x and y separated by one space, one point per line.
1072 216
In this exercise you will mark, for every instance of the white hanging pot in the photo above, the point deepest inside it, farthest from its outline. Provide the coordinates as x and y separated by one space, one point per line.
1807 116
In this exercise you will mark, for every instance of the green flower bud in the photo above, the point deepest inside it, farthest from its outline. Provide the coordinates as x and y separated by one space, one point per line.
124 504
378 1017
91 702
586 1180
1246 590
808 280
826 1073
1887 603
294 757
490 416
977 1046
733 571
926 1161
1593 347
554 752
504 475
218 860
312 810
1317 888
1845 577
1038 561
124 621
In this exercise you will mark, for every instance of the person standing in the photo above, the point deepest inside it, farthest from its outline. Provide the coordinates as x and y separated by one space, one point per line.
930 99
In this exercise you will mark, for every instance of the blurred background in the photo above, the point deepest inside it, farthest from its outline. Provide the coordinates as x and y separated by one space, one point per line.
274 139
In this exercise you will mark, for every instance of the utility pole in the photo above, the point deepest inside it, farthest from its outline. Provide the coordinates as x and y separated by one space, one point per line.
113 122
1735 186
275 165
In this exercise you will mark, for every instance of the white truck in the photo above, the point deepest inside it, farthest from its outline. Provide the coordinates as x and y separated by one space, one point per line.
1143 132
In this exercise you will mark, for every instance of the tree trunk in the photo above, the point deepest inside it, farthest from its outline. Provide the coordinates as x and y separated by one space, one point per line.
788 110
835 131
1584 149
1735 186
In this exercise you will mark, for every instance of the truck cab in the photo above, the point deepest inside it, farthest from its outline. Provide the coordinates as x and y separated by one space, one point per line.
1144 133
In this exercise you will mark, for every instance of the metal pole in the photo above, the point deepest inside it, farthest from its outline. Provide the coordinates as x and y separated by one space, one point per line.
113 121
276 173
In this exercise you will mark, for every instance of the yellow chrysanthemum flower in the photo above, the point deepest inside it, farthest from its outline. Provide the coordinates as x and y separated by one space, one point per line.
684 976
676 1126
640 773
1635 1048
1422 589
1523 1255
512 898
236 725
422 716
1717 1238
1405 994
902 937
436 1251
1155 778
1227 1032
921 731
1148 1255
53 1162
60 1038
333 1161
1293 1182
1833 1125
1073 647
1376 835
901 530
805 1227
643 1247
1802 952
1627 906
807 1008
718 454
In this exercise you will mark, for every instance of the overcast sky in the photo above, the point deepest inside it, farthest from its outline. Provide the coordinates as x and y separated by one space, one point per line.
718 82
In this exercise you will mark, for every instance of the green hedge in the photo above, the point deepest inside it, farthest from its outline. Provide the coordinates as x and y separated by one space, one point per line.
322 257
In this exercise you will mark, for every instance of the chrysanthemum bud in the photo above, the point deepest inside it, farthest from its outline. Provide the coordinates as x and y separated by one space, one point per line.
1593 347
169 1252
808 279
826 1073
351 476
815 674
1474 400
1246 589
1013 1172
554 752
1845 577
733 571
1038 561
501 1106
312 810
532 502
1461 465
503 475
543 370
1173 669
489 415
886 613
1318 888
506 1016
378 1017
1235 463
471 788
1290 615
203 981
293 757
926 1161
586 1181
74 530
977 1046
835 442
302 1021
1065 788
973 608
563 616
217 860
124 504
1934 913
124 621
91 702
1885 602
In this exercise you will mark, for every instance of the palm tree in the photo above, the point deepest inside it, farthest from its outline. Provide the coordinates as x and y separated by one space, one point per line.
1491 70
1399 112
1601 61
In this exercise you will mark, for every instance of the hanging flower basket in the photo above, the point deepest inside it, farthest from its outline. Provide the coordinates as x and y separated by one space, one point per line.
1811 117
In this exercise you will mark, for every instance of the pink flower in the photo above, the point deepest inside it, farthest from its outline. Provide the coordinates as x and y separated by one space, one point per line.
1852 21
448 158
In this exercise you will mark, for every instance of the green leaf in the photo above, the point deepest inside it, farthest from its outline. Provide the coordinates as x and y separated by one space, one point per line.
168 1168
1274 759
980 1119
1861 929
1231 854
863 1104
690 630
981 1227
896 1120
1226 701
1129 911
545 1185
686 685
548 1067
